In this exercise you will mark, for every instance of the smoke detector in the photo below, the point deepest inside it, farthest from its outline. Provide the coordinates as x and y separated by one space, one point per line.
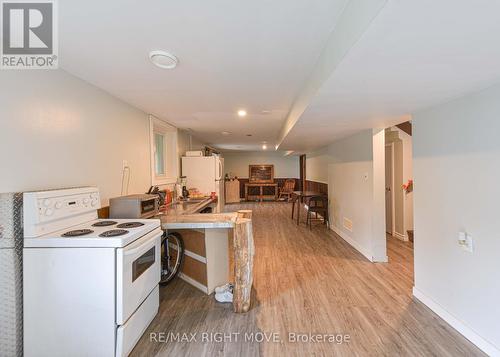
163 59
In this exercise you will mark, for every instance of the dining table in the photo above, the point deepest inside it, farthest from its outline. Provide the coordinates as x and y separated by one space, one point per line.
298 197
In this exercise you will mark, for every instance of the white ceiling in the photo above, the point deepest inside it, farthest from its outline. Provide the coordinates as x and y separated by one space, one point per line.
413 55
254 55
258 55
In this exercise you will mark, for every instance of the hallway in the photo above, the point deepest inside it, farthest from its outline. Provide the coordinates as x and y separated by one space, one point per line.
307 282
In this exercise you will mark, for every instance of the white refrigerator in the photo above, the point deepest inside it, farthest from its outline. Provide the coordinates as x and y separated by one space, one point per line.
206 173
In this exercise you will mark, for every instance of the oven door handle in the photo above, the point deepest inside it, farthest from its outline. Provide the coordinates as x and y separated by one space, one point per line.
132 251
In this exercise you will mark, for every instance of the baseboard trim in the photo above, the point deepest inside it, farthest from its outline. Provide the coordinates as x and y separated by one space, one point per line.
458 325
193 282
400 236
353 243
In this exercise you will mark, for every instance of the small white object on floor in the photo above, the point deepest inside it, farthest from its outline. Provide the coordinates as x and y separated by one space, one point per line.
225 296
225 287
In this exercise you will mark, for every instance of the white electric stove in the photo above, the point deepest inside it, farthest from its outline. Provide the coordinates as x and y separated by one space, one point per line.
90 285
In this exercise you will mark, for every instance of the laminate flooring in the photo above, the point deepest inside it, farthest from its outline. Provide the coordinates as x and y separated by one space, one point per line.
306 284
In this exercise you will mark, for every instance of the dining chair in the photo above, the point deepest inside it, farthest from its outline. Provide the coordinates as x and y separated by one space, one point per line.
287 189
317 205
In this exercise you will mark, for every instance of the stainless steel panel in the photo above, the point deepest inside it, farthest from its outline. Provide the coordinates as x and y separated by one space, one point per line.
11 276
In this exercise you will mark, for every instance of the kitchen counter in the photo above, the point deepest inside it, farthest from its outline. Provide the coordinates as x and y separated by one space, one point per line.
199 220
184 215
187 207
216 229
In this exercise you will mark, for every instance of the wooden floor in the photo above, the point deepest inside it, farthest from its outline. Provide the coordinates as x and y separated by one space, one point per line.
307 282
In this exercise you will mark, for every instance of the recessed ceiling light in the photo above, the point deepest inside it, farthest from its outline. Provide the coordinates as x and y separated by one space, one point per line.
225 133
163 59
242 113
264 147
266 112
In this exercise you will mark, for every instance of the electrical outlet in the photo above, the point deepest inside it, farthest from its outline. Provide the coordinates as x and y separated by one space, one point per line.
465 241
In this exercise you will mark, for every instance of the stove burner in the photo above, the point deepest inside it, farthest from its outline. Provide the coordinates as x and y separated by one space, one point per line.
77 233
130 225
113 233
104 223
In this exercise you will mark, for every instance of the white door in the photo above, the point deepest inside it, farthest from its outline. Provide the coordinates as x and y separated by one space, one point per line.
388 189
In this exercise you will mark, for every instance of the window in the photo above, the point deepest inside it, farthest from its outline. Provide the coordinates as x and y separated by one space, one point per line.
160 154
164 160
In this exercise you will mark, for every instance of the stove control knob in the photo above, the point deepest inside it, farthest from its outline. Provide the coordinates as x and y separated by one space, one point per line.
46 202
58 205
49 211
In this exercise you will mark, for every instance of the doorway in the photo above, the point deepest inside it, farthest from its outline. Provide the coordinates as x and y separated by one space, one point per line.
399 182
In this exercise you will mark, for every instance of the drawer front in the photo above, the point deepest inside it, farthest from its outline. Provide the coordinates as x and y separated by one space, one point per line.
128 334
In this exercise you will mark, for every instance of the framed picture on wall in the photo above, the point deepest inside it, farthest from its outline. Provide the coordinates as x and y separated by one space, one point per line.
261 173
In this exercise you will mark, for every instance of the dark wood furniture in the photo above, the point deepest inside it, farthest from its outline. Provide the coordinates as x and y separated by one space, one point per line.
298 197
317 204
280 181
287 189
261 196
302 170
317 186
261 173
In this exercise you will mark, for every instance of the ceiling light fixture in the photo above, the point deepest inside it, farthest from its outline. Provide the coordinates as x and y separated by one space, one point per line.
225 133
163 59
242 113
264 147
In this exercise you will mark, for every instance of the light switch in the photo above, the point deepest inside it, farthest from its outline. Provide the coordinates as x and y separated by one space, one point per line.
465 241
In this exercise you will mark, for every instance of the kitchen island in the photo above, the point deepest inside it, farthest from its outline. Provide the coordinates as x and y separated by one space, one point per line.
206 237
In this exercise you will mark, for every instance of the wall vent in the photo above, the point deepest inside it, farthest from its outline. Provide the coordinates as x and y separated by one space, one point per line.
347 224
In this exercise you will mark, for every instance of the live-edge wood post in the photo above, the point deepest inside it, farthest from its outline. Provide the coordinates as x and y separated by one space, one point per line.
244 251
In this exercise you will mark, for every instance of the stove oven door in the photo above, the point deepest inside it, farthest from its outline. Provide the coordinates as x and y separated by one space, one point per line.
137 273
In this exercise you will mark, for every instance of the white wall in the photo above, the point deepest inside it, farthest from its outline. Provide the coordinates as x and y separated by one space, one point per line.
186 142
58 131
350 189
378 238
355 188
351 192
456 163
236 163
317 165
